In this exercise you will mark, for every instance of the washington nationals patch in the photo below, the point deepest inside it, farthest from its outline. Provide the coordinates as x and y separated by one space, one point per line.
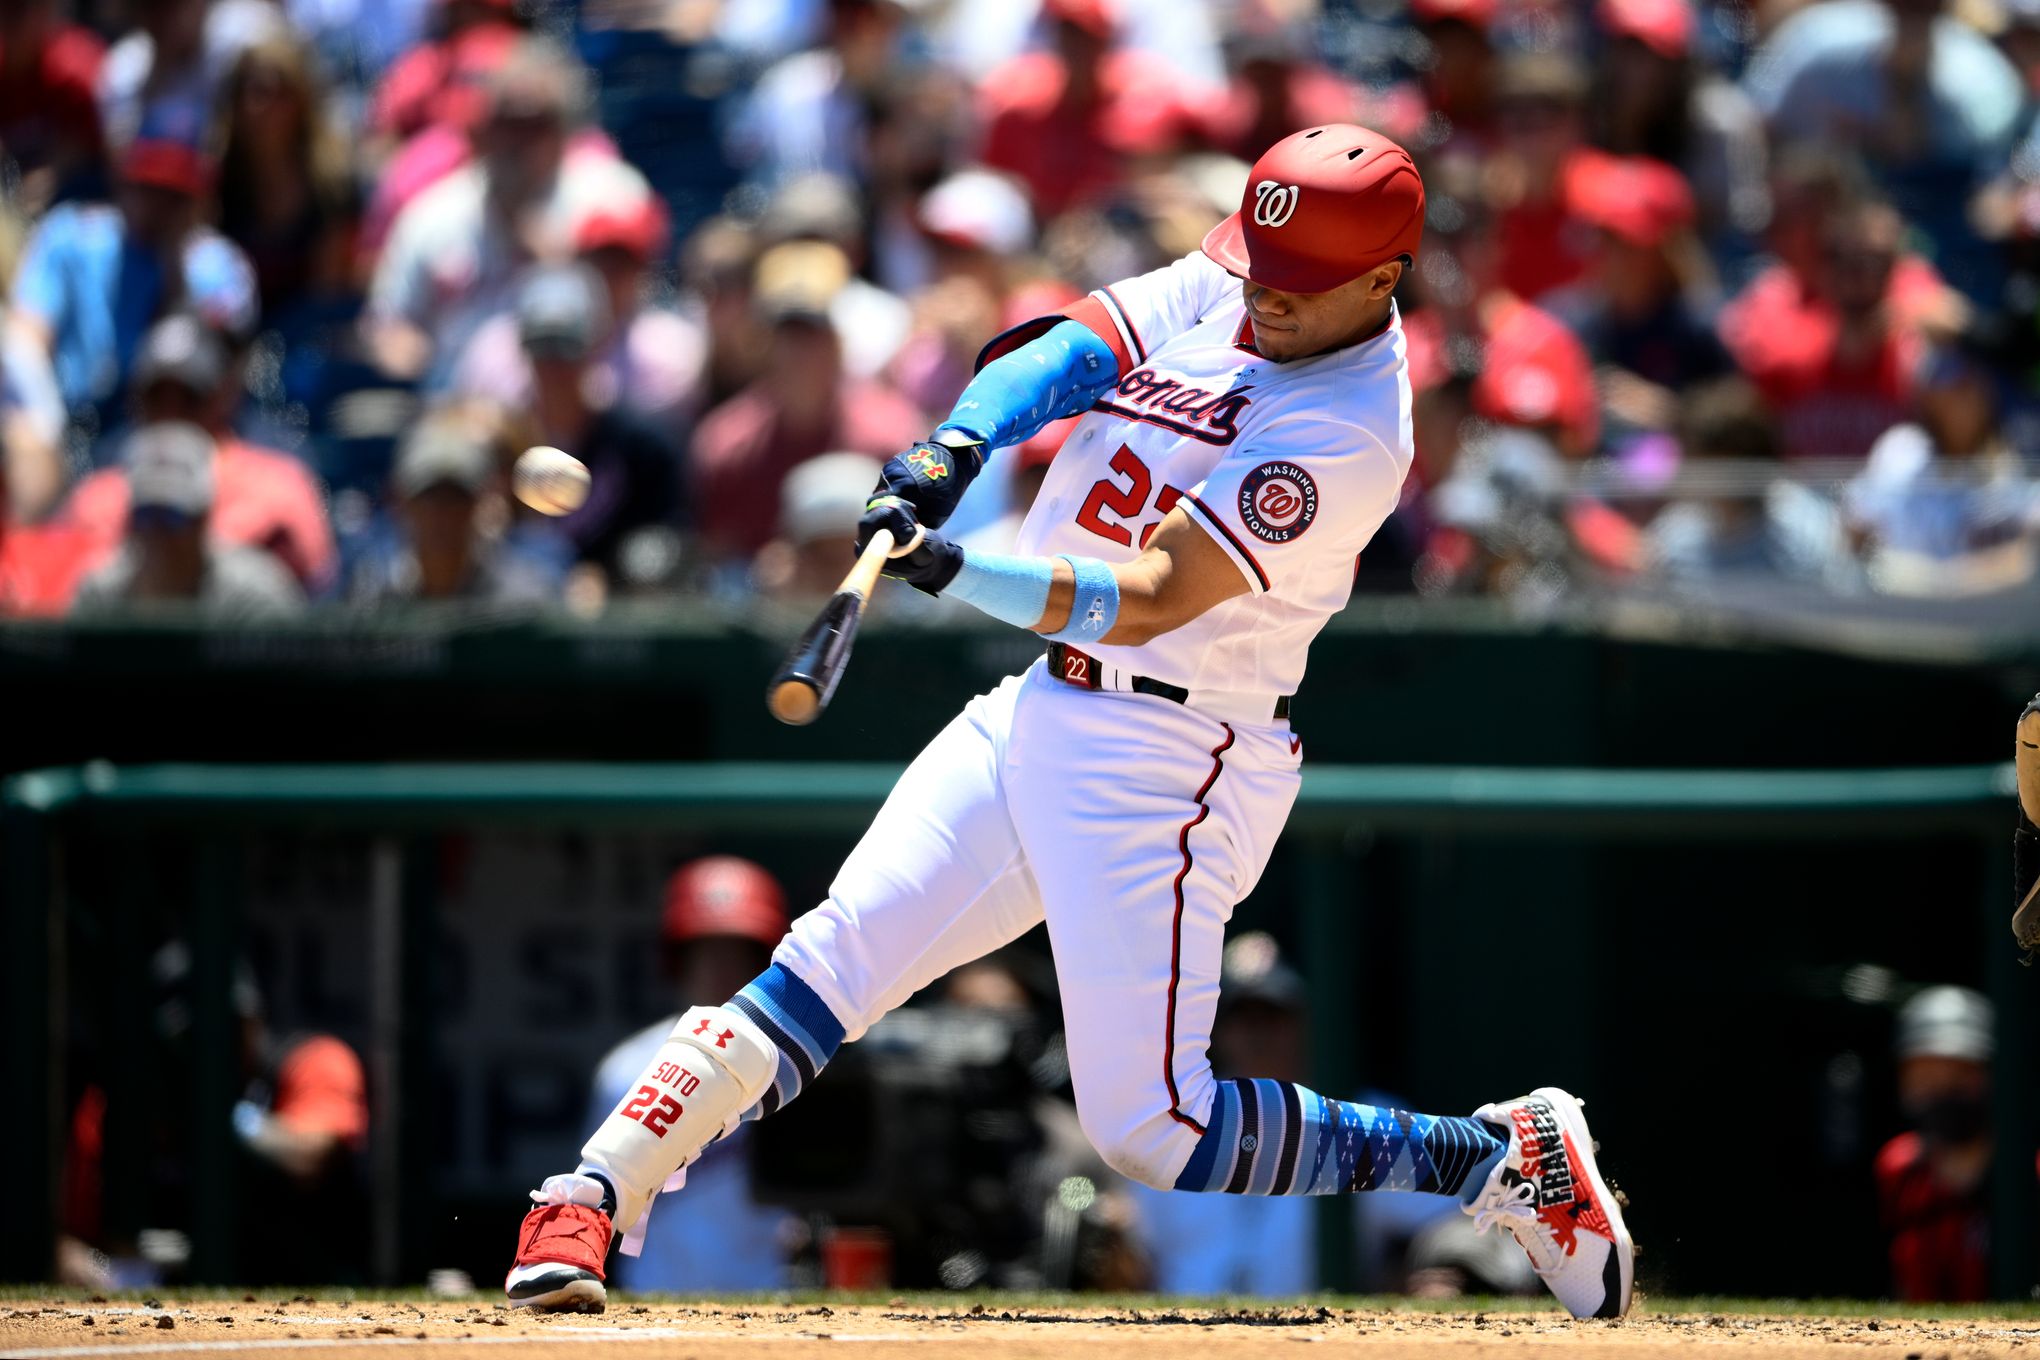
1277 502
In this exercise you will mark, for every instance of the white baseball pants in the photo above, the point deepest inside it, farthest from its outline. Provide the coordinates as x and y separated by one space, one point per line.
1133 825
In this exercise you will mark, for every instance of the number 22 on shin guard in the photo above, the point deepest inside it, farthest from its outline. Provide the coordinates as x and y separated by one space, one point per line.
655 1117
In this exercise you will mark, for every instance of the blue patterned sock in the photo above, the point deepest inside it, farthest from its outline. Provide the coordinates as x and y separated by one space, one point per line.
798 1023
1275 1138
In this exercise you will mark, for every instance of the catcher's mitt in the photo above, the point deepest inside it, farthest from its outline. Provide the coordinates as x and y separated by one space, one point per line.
2026 839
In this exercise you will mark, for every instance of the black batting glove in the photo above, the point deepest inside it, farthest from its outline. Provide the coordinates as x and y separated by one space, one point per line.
932 564
932 475
890 513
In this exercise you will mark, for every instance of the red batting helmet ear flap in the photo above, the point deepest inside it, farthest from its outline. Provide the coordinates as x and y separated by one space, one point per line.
1321 208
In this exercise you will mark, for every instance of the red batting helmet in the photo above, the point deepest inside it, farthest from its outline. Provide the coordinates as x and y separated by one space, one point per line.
1322 207
723 895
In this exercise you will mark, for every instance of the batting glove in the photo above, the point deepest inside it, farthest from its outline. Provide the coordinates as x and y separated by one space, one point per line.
932 564
932 475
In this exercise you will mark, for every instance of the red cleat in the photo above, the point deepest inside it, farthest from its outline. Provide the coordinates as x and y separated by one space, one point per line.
561 1248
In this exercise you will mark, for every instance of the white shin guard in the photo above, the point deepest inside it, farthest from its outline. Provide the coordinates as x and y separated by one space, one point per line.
713 1067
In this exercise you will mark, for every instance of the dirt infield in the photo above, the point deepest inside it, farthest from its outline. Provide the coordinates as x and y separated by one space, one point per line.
278 1326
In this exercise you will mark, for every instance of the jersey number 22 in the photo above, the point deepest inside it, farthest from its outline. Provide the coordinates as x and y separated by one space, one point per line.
1125 502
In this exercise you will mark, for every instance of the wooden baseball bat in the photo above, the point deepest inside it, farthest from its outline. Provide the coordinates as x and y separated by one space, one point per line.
806 680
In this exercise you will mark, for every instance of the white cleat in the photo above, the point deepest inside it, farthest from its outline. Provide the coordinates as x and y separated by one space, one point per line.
1547 1192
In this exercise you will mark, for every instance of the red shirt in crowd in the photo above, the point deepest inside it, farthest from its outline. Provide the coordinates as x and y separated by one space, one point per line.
50 107
1542 241
1940 1236
40 567
744 448
1534 372
1778 319
1838 407
1067 155
1244 123
261 499
1785 337
442 82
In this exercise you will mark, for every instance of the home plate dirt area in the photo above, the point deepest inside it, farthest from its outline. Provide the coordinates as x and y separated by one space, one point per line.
955 1328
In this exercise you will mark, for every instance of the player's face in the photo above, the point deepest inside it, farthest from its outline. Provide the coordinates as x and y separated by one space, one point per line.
1297 325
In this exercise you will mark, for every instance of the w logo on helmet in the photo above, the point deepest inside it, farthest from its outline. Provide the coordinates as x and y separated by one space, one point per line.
1273 203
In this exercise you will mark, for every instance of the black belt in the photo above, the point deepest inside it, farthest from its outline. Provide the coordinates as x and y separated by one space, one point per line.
1073 667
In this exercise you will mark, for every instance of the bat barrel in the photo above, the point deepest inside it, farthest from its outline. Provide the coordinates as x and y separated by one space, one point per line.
806 680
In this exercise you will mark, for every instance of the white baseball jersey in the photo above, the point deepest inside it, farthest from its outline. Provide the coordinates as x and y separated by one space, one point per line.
1290 467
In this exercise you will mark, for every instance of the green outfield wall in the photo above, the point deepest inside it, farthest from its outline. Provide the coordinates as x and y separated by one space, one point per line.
1712 955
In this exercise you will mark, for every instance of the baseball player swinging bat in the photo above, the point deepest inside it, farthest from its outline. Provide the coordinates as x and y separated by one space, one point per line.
1242 430
806 680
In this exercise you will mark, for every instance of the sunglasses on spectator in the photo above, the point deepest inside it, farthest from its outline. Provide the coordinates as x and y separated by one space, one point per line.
1866 261
525 122
266 84
161 519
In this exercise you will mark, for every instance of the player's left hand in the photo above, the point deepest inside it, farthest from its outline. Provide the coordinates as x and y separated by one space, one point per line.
891 514
932 475
930 565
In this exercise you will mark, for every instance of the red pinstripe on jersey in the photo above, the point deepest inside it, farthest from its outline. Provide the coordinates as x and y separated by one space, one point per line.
1176 932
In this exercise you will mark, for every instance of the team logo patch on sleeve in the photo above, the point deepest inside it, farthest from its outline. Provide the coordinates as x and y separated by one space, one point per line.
1277 502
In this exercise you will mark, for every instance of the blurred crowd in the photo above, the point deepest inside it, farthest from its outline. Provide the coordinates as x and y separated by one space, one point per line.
1710 291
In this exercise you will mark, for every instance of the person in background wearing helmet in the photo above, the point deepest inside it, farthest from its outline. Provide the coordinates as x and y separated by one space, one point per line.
1243 429
1933 1182
722 917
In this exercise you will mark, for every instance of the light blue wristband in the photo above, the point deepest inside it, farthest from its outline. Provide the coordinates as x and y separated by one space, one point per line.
1011 589
1096 606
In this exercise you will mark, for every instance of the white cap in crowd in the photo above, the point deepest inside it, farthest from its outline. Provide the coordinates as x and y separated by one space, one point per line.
824 496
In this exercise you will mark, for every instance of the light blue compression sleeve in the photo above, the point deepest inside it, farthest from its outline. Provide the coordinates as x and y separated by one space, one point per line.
1051 376
1015 590
1011 589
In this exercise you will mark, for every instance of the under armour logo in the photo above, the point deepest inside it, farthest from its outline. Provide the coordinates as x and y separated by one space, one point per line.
1273 203
721 1040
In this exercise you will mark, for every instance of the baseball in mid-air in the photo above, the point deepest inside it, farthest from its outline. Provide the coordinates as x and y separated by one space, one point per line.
550 481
